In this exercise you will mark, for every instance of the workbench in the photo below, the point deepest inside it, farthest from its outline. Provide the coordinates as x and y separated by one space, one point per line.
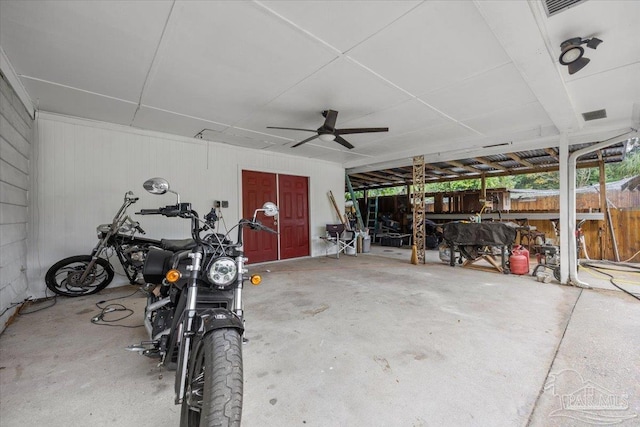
476 241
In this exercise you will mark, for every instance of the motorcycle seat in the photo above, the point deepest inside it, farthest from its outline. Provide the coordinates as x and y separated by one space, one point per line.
176 245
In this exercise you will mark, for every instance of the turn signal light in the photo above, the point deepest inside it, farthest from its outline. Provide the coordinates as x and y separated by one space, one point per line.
256 279
173 276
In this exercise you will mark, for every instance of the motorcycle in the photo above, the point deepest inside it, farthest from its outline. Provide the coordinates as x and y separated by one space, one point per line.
87 274
194 313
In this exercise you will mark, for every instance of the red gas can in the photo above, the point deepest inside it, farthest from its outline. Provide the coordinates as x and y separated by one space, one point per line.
519 260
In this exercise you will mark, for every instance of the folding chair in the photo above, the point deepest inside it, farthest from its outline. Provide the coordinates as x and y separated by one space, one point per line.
337 237
348 239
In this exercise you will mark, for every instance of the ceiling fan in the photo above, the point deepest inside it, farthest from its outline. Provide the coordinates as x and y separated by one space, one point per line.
328 132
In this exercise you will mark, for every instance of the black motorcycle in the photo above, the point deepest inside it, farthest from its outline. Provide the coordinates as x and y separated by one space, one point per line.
194 313
87 274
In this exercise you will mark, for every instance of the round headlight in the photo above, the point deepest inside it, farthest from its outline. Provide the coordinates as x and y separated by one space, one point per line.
223 272
103 228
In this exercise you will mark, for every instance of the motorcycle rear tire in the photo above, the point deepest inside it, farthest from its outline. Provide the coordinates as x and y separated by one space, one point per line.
95 282
216 376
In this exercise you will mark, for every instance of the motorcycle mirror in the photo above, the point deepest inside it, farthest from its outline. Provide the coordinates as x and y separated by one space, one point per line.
156 185
159 186
270 209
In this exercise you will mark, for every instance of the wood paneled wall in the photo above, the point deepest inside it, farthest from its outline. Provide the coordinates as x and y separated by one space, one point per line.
15 151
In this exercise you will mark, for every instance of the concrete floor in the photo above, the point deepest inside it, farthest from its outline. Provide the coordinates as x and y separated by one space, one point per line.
359 341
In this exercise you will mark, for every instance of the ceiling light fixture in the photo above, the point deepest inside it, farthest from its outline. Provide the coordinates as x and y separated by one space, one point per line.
327 137
572 52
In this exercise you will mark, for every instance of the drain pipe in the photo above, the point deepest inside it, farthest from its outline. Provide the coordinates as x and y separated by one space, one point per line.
573 157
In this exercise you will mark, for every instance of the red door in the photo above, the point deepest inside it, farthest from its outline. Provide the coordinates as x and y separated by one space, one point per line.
293 216
257 188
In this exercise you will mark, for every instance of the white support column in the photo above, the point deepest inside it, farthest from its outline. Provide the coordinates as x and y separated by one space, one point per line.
564 207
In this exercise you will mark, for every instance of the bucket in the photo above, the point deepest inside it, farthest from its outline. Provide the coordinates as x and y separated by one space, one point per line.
519 261
366 244
444 252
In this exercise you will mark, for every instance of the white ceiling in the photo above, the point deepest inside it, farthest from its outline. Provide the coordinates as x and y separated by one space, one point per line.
445 76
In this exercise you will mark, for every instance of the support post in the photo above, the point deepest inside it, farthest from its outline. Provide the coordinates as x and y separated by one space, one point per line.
418 208
603 207
565 195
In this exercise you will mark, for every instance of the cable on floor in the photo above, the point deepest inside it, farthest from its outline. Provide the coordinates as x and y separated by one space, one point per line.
30 302
101 320
611 277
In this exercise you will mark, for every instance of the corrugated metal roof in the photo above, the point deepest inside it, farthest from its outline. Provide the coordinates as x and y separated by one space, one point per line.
520 162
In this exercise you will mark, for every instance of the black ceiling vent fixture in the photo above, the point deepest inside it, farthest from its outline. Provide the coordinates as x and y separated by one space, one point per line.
594 115
556 6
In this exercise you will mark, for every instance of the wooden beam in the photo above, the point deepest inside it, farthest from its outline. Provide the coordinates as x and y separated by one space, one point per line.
490 163
463 166
369 177
517 158
406 176
437 169
552 153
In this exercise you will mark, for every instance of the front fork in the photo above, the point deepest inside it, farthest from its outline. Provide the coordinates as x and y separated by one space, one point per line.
95 254
189 319
188 332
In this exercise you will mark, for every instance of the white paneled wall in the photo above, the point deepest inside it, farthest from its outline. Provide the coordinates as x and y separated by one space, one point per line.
15 151
85 167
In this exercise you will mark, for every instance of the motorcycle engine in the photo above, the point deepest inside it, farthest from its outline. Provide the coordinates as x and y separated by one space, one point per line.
136 255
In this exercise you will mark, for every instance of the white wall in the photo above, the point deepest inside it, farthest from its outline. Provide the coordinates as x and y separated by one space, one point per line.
85 167
15 151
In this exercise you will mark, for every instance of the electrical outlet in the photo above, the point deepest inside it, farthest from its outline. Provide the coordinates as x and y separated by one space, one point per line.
225 203
216 203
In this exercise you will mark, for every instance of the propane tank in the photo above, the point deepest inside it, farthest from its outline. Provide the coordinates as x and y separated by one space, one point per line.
519 260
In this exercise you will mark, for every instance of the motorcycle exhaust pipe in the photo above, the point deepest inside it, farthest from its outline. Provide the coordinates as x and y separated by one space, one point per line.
150 309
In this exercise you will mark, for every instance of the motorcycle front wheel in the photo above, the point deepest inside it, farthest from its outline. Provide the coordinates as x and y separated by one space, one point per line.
213 395
64 276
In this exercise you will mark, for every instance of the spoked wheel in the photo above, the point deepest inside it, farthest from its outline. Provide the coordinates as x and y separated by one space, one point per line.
64 277
214 388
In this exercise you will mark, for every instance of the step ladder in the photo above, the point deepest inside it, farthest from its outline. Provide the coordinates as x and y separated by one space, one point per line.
372 215
355 203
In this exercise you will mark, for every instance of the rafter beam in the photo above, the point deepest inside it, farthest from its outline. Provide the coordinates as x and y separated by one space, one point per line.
369 177
405 176
491 164
385 176
437 169
463 166
552 153
517 158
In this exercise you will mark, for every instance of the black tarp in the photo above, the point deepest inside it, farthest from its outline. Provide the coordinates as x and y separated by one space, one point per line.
481 234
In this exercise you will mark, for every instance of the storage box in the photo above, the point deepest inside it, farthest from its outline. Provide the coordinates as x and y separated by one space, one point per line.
395 241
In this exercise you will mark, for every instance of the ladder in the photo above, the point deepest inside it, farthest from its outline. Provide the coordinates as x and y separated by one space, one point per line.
355 202
372 215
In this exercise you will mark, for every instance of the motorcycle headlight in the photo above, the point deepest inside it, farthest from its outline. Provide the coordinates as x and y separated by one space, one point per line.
103 228
223 272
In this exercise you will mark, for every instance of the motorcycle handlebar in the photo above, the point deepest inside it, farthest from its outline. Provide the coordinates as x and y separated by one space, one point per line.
255 225
149 212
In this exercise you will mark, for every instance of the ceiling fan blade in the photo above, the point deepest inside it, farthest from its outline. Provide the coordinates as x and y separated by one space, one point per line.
330 120
359 130
306 140
340 140
306 130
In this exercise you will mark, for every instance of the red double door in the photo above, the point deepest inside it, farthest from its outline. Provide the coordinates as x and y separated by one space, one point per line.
291 194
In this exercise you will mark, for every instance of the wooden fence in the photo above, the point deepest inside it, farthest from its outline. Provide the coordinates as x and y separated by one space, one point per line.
626 226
